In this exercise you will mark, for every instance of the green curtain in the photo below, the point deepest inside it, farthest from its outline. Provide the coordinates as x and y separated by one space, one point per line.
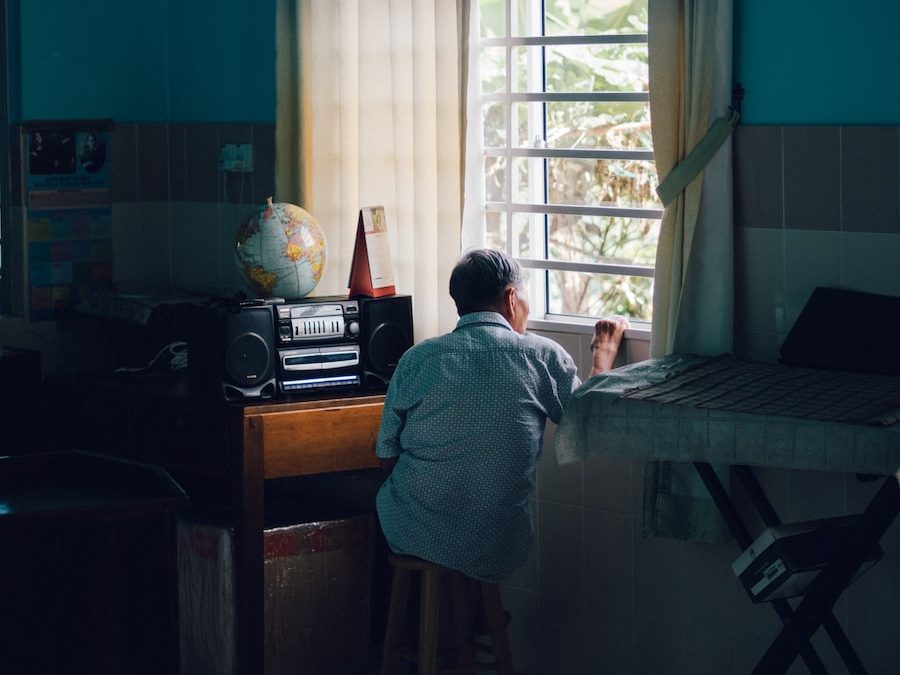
690 85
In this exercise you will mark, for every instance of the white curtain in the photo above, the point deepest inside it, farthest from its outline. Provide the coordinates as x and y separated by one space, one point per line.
690 94
368 113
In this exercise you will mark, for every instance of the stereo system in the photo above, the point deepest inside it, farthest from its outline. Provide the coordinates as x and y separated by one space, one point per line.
260 349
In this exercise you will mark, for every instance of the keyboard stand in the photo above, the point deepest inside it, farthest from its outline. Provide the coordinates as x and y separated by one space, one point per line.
814 610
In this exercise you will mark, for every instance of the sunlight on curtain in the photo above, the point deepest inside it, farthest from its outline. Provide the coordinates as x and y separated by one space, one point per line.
690 86
368 113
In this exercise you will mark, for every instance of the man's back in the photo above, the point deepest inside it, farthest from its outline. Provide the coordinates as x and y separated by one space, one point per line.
465 417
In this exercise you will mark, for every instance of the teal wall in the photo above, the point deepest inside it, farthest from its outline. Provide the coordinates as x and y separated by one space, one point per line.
140 61
801 62
818 61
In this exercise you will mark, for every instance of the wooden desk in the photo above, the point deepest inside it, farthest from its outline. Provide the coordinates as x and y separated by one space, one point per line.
222 453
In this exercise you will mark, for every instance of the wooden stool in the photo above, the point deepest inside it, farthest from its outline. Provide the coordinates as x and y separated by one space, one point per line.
461 587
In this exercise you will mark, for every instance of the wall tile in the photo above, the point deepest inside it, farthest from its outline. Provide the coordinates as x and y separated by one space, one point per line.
561 552
609 642
870 262
202 151
177 162
126 241
659 647
710 587
609 482
758 346
708 650
658 577
263 162
195 231
810 259
229 218
153 162
758 177
123 166
815 494
873 613
155 248
812 179
870 179
558 482
759 293
562 636
609 561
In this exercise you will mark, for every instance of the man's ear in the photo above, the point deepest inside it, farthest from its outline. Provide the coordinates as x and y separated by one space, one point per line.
509 303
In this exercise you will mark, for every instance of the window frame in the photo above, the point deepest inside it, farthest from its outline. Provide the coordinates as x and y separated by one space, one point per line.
539 290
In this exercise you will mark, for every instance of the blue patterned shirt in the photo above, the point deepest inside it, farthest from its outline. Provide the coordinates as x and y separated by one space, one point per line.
464 416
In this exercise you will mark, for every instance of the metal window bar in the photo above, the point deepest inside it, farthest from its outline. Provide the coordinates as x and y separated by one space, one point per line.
536 76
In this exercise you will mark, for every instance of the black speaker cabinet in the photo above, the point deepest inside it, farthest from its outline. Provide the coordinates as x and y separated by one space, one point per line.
231 352
386 331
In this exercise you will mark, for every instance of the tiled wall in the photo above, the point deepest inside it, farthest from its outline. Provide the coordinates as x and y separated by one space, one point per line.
174 220
174 213
814 206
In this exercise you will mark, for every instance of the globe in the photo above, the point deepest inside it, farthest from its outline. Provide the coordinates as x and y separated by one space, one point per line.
280 251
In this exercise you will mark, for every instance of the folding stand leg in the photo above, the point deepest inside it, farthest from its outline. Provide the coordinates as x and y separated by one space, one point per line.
742 536
832 580
829 622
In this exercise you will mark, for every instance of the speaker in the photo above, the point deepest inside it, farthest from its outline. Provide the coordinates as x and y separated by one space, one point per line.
386 331
231 352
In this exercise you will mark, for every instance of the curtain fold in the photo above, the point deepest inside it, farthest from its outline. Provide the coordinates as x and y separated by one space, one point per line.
368 112
690 86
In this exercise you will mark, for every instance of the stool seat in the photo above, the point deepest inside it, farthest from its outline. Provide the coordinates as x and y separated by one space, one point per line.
433 578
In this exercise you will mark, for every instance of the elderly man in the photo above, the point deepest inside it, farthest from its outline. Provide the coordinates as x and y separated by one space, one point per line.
464 420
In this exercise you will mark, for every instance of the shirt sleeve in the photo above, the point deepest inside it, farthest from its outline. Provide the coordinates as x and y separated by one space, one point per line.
392 420
564 376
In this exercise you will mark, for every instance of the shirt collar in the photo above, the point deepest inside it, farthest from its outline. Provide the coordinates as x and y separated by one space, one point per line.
481 318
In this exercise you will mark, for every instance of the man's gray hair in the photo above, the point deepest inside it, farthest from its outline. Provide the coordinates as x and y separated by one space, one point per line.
480 278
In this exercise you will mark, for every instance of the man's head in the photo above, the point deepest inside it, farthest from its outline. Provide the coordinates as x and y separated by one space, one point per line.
485 280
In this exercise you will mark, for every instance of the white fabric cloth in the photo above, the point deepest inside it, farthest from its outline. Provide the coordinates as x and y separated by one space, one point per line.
376 121
598 420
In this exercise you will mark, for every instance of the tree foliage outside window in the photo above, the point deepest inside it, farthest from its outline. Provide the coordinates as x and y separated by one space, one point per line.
566 121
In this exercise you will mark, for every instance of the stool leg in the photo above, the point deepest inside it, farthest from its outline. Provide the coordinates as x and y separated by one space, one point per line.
463 620
396 621
428 621
493 609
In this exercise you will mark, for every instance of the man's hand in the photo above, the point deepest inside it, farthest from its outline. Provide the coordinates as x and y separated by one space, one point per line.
605 345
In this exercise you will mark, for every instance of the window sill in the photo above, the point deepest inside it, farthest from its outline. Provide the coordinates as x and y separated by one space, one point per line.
639 330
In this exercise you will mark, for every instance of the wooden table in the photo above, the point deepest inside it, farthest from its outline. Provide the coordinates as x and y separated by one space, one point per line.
222 453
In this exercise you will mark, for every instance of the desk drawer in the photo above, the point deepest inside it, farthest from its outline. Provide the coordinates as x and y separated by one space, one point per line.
317 441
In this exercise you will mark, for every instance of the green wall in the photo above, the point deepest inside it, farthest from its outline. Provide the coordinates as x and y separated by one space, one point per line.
818 61
800 61
134 60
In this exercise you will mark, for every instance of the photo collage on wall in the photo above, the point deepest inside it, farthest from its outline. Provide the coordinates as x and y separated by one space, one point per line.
68 233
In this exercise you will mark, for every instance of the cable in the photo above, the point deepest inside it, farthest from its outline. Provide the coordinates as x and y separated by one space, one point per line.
178 353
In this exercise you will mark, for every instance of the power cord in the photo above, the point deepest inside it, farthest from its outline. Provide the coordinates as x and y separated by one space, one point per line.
178 358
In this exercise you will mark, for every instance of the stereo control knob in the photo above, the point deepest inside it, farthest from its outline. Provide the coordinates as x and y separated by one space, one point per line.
353 327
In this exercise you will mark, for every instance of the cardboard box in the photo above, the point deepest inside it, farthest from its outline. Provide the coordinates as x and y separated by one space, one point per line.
784 560
317 597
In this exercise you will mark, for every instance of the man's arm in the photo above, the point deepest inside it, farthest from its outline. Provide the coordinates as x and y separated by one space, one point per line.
387 465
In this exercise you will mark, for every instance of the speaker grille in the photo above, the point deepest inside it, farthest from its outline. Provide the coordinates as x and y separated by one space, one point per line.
248 359
387 332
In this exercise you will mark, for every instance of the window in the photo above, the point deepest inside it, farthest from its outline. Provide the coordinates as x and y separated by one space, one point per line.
570 184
